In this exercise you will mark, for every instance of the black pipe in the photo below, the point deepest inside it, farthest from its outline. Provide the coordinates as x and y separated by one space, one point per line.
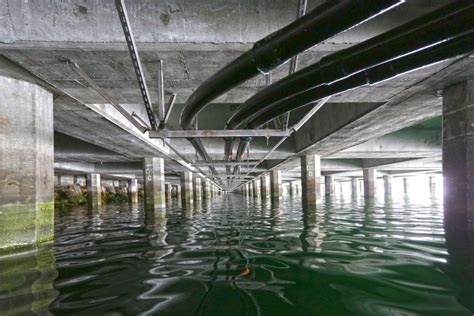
320 24
449 21
448 49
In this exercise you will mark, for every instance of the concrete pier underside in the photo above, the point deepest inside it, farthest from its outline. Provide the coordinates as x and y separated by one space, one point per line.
389 130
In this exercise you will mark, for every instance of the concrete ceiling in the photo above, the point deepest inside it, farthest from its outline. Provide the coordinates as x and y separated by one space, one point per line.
195 39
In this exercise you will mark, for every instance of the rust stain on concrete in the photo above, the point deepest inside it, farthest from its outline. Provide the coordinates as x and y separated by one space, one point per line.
4 123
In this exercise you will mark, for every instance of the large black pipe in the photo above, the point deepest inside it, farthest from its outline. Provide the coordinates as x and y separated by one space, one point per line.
449 21
448 49
320 24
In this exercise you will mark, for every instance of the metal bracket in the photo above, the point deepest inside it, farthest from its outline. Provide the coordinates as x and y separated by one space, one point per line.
220 133
223 163
170 108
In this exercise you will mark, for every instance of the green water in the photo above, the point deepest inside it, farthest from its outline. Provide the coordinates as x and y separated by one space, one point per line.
347 257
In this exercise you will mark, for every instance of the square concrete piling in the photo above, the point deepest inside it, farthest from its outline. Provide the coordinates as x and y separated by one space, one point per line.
26 164
154 182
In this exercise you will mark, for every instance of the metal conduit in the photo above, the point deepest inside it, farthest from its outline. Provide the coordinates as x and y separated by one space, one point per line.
320 24
450 21
445 50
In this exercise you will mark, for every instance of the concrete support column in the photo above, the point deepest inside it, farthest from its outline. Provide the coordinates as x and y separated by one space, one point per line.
265 186
133 190
26 164
311 179
154 182
354 188
197 189
256 188
206 189
187 188
405 185
276 189
94 190
370 178
250 188
292 188
458 159
387 184
167 191
178 192
432 180
329 185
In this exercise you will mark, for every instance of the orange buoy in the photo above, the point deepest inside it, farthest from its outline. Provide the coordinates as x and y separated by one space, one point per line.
245 272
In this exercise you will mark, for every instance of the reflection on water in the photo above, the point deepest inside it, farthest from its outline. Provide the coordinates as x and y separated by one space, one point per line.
26 281
238 256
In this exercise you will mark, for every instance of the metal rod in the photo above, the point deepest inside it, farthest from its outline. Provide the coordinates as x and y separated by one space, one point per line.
294 61
311 112
188 162
294 128
170 108
105 95
222 163
220 133
139 119
161 93
132 48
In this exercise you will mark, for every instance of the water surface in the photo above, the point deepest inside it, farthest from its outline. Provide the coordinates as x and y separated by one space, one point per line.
238 256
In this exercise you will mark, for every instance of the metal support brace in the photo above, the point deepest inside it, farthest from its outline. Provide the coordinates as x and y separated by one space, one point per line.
106 96
170 108
132 48
220 133
161 94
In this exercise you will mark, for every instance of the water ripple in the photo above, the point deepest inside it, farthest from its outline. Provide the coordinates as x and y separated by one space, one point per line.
237 256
